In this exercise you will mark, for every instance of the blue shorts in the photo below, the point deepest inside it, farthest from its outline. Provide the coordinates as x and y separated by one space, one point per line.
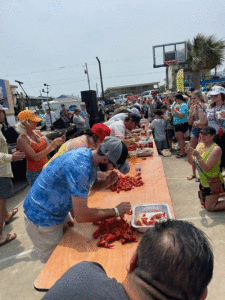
160 145
195 132
169 133
32 176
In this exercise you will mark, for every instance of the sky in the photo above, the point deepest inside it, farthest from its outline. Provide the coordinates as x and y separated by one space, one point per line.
49 41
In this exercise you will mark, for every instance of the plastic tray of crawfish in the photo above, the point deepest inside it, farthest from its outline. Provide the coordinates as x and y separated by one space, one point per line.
149 214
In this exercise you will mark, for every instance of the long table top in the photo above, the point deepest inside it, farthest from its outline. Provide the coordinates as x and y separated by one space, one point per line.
78 243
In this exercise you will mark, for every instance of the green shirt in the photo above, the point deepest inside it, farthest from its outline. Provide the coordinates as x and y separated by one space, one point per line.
214 172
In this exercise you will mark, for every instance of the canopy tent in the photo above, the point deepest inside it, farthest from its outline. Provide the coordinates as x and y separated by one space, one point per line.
56 103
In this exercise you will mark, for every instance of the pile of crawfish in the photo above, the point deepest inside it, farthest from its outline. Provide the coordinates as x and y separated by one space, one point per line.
126 183
113 229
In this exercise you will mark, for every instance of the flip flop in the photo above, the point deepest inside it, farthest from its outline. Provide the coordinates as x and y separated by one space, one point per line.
180 155
14 212
191 177
9 238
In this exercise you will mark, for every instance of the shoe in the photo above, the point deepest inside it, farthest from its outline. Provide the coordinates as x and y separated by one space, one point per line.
191 177
180 155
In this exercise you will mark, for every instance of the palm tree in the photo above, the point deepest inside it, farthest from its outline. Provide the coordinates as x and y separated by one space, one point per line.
204 53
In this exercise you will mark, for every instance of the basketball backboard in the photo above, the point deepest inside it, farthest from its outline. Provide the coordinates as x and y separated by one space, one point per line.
176 52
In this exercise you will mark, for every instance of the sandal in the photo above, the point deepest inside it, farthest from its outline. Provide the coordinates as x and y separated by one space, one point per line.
191 177
9 238
14 212
180 155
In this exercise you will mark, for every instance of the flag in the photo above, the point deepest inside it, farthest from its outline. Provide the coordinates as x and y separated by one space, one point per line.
180 80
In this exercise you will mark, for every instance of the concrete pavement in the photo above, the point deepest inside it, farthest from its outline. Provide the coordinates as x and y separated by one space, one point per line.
19 266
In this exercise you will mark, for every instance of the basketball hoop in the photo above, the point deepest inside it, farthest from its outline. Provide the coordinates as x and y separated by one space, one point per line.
171 62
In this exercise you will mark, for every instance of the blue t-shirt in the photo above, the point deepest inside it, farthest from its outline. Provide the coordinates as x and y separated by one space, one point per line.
49 199
183 108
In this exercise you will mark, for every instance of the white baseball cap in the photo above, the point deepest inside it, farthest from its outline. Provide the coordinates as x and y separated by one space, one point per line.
3 108
216 90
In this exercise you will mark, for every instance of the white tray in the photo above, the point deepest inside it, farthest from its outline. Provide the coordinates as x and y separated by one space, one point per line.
146 208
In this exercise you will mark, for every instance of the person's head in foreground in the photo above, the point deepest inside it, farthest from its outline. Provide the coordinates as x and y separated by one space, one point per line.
173 261
179 98
113 154
208 134
27 121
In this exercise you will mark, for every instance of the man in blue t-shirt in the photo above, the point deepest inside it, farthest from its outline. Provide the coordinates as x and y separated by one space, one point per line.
64 185
173 260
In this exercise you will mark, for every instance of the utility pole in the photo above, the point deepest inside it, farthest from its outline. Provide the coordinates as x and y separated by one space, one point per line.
86 72
103 96
97 89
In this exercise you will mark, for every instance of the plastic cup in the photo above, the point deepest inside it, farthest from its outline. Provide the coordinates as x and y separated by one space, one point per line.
133 157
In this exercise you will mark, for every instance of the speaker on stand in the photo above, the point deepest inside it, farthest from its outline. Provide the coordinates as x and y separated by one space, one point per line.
90 99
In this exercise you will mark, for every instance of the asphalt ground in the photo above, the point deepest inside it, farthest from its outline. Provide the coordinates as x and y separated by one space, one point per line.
19 266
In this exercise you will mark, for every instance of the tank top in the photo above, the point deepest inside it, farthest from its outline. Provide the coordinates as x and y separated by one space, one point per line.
33 165
214 172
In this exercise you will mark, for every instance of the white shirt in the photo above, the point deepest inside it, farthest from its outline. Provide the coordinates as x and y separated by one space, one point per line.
47 119
5 158
117 129
118 117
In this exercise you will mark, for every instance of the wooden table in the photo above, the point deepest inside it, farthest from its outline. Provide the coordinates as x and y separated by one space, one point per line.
78 244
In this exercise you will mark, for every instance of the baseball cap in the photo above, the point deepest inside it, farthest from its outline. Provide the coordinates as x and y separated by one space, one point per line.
101 131
136 119
3 108
208 130
116 152
27 115
216 90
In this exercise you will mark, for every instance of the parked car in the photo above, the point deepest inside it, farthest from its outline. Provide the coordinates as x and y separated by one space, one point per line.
147 94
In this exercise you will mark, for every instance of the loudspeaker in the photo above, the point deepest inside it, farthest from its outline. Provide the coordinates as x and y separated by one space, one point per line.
61 123
90 98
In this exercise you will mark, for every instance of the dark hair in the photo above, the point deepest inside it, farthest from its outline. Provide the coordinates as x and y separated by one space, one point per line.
179 96
158 112
85 132
192 89
178 256
164 107
213 104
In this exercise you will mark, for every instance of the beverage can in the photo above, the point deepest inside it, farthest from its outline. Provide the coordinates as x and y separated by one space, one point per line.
138 168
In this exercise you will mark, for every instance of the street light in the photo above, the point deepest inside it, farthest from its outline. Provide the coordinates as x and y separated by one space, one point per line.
103 96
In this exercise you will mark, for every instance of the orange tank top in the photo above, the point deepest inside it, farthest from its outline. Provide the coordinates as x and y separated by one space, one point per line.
33 165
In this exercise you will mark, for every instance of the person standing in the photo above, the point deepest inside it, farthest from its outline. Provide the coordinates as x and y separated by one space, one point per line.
159 126
6 186
180 122
65 113
84 114
35 146
216 118
101 114
49 120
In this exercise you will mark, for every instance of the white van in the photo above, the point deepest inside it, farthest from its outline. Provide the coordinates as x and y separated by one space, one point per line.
147 94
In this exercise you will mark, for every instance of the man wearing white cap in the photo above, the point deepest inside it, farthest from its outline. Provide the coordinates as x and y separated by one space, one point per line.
6 187
64 185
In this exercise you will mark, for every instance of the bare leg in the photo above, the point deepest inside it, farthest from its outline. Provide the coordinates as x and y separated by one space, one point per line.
181 141
193 144
2 219
212 203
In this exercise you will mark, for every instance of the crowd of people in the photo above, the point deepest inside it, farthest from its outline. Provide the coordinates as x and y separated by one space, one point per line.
193 122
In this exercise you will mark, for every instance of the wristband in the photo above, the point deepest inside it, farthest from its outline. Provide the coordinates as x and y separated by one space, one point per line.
116 211
133 140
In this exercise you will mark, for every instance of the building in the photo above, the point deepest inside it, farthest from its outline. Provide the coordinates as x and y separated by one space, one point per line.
134 89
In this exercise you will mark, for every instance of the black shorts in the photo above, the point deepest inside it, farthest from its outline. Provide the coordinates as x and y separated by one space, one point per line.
206 190
181 127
